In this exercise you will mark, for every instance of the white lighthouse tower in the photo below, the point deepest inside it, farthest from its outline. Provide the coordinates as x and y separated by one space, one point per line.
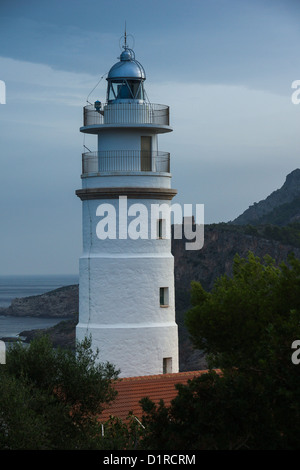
126 276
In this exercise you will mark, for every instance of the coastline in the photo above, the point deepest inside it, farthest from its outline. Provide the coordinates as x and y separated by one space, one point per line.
58 303
53 312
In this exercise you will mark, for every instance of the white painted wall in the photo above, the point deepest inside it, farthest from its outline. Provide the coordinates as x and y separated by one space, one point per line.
137 350
124 139
93 245
129 179
119 301
125 290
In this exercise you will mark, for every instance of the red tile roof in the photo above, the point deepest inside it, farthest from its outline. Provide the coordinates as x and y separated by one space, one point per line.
132 389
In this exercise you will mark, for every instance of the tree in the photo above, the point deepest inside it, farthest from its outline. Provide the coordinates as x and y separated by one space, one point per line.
246 325
21 426
51 398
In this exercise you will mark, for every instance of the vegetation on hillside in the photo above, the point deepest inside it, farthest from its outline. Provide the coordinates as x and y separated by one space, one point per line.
288 235
281 214
246 325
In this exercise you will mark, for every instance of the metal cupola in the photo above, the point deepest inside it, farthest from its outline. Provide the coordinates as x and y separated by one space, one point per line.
126 78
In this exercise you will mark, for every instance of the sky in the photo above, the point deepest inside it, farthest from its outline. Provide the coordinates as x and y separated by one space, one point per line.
225 68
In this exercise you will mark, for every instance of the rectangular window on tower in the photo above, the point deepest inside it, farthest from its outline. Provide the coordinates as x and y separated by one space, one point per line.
161 228
164 296
167 365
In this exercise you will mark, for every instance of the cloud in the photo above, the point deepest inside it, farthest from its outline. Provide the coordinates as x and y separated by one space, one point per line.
226 121
32 82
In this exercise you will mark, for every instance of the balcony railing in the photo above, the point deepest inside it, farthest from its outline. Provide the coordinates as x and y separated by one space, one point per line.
126 113
120 161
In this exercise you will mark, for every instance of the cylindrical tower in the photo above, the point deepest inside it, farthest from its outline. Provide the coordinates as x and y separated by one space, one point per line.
126 270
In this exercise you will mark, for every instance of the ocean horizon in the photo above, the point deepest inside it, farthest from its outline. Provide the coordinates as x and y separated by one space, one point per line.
15 286
18 286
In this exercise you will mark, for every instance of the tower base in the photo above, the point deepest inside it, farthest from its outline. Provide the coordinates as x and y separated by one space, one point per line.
135 350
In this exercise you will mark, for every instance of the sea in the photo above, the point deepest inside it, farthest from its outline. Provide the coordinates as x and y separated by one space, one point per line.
14 286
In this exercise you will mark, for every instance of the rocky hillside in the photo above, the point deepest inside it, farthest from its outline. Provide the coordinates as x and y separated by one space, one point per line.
221 243
58 303
281 207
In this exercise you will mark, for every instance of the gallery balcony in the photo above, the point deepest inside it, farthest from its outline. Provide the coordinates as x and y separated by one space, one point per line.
136 114
124 161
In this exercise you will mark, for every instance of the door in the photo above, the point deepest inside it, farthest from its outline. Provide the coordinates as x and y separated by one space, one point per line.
146 148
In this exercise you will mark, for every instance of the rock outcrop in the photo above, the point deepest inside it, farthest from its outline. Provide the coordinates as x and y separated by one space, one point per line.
58 303
212 261
216 257
60 335
282 200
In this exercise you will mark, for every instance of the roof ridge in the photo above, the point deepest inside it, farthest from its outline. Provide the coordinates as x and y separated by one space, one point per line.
162 376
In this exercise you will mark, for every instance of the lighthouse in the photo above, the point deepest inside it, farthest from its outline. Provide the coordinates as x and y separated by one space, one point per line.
126 268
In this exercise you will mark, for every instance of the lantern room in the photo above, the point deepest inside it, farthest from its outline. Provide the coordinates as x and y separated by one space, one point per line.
126 79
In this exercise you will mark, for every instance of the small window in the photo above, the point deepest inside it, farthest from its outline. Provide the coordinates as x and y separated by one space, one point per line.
164 296
167 365
161 228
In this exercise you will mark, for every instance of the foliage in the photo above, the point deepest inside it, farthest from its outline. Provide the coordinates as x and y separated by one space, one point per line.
281 214
246 325
50 398
122 435
242 316
211 412
288 234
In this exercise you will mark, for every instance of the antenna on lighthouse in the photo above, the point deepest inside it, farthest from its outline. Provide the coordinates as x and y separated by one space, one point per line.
125 36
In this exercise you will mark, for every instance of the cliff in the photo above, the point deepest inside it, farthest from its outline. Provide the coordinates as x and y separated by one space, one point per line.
61 335
221 243
58 303
281 207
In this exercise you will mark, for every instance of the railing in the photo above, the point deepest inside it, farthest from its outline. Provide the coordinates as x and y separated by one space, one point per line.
121 161
126 113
